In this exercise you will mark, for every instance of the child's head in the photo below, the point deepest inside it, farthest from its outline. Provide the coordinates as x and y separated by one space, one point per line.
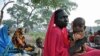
39 42
78 25
20 31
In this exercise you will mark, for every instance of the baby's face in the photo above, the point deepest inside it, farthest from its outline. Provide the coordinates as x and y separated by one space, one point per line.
79 30
81 35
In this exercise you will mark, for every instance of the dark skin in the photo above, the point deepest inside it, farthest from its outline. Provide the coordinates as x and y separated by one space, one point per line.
18 40
61 18
39 42
77 42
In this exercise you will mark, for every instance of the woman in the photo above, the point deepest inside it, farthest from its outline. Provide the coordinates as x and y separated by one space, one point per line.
56 41
18 40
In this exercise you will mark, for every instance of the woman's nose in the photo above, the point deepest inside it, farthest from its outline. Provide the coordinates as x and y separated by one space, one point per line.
66 20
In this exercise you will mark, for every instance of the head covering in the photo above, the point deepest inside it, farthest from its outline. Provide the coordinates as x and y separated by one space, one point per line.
48 38
5 40
52 25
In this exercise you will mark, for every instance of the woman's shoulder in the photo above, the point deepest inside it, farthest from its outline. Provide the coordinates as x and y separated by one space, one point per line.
56 29
1 26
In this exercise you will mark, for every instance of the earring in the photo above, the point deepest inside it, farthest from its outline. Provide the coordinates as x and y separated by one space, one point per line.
54 25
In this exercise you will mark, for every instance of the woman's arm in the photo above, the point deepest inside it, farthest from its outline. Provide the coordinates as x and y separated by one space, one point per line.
88 48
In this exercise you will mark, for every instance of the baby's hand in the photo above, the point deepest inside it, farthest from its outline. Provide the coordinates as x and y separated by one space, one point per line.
78 36
78 54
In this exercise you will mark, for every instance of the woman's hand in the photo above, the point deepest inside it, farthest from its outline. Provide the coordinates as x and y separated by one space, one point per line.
79 54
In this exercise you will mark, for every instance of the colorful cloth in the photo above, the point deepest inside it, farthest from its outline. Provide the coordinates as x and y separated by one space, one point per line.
56 41
5 41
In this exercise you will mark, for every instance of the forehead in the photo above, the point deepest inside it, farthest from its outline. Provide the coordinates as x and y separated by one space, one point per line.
78 24
62 13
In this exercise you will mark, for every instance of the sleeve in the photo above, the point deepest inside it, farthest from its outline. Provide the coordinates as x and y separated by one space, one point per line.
91 52
54 45
50 44
63 51
89 48
60 47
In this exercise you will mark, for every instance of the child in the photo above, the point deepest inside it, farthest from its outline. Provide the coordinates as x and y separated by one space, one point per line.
78 45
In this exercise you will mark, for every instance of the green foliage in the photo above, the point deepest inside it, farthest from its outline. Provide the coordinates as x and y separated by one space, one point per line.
35 35
18 13
36 1
45 15
9 22
20 1
54 4
41 10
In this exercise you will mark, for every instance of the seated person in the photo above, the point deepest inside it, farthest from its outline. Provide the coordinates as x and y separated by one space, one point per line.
94 39
18 40
97 41
5 40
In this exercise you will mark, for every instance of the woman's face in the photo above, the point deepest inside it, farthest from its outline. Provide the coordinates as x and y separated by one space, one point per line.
62 19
